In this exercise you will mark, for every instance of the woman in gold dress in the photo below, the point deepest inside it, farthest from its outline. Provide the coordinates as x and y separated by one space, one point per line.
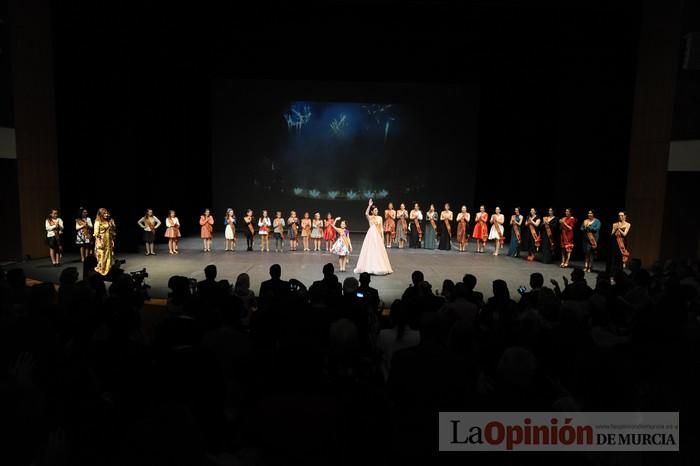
105 231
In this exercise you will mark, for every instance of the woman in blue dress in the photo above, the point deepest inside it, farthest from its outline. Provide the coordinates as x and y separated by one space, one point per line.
591 230
430 235
516 222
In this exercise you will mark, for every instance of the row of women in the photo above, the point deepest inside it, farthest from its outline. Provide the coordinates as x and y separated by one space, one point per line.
546 236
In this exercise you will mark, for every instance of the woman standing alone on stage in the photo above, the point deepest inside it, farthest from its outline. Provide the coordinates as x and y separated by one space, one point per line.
54 236
83 233
172 232
149 223
230 231
389 225
206 222
104 232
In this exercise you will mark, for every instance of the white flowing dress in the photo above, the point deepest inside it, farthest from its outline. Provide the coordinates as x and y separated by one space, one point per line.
373 257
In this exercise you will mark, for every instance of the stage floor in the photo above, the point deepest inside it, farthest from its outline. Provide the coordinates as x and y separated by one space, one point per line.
306 267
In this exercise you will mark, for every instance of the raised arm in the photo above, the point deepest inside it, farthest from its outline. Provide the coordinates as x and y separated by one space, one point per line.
369 206
339 230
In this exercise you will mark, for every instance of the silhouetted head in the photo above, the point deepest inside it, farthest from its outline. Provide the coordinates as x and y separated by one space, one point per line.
536 280
417 277
500 289
210 272
243 281
275 271
469 281
328 270
577 275
350 286
365 279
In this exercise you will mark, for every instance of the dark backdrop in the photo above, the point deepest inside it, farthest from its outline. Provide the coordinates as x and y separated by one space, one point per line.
133 89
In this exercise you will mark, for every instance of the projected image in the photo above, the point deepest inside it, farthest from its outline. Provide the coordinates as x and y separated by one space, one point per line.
329 146
329 140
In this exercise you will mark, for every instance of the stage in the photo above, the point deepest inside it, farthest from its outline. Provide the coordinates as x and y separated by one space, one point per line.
306 266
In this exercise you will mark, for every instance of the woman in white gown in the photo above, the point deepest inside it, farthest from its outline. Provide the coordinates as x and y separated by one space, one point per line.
373 257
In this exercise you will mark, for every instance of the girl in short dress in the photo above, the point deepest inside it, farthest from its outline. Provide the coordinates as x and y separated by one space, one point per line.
206 222
172 232
329 231
306 230
230 232
264 225
401 225
342 246
83 233
278 231
293 230
317 231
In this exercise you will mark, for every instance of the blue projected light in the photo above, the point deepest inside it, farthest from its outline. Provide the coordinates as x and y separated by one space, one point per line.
328 140
296 118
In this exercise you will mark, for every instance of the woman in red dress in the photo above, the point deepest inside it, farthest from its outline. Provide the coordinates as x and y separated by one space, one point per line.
481 229
567 224
329 231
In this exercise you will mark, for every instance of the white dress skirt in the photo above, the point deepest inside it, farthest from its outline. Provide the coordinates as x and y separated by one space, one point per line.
493 234
373 257
229 233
